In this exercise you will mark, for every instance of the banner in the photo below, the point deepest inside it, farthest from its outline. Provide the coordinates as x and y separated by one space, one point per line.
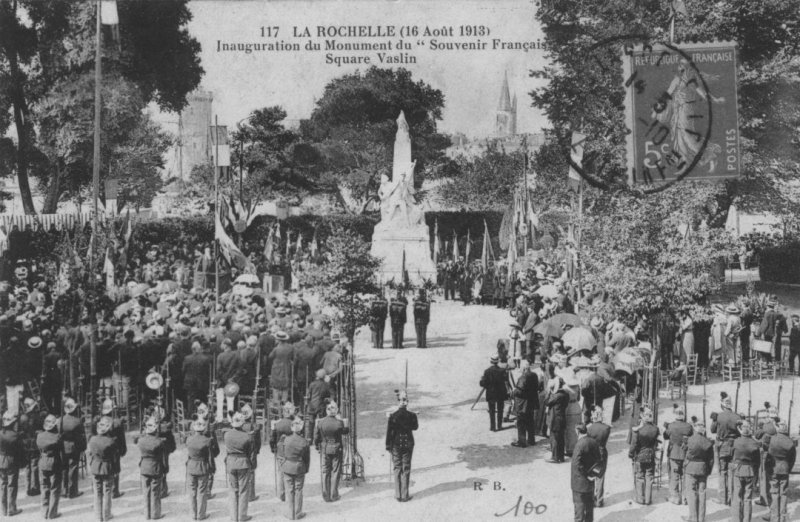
681 108
576 155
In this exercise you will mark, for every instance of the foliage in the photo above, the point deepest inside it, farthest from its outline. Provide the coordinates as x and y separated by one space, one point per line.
486 181
779 264
47 58
346 279
353 128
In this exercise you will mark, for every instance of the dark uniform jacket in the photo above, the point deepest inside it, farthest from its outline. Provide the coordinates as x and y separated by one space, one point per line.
50 449
600 433
201 450
397 311
783 452
102 453
12 451
746 457
281 358
725 428
585 456
239 446
422 311
297 455
526 393
378 310
30 424
228 367
494 380
283 428
643 444
399 433
677 433
328 435
699 455
153 454
318 391
196 371
73 434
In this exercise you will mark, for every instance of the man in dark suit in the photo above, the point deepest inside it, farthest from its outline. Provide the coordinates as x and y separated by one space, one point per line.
558 402
768 323
586 462
397 316
724 424
698 464
746 460
228 367
318 392
494 381
783 452
151 468
400 444
74 438
12 457
201 449
378 311
644 441
281 372
102 453
328 441
422 316
237 462
600 432
196 374
297 458
526 402
677 432
794 345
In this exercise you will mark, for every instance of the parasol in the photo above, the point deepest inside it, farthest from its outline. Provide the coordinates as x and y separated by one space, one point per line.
579 338
570 319
548 329
139 289
164 287
629 360
547 291
247 279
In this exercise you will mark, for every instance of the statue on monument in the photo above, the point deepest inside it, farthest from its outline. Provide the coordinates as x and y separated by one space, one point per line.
398 204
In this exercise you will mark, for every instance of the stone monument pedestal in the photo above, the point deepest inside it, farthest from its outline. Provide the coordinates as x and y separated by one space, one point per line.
388 244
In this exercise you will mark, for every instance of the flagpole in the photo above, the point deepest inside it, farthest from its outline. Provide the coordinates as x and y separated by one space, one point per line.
216 210
578 240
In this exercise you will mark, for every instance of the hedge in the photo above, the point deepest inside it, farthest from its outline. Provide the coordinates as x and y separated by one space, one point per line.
780 264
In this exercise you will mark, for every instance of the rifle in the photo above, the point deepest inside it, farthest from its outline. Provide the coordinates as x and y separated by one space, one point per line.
704 401
258 378
749 396
780 390
791 405
736 404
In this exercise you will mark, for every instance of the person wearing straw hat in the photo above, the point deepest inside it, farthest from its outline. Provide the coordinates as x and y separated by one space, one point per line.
74 437
294 468
733 326
494 382
30 423
558 402
12 457
724 424
50 447
746 459
151 467
763 435
251 426
698 464
644 442
201 449
784 453
118 434
239 446
280 430
600 432
328 441
102 454
677 432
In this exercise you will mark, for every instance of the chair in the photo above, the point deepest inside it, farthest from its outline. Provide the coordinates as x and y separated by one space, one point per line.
691 368
181 423
731 372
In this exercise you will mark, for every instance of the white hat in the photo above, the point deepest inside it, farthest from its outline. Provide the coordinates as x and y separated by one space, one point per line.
247 411
70 405
151 426
332 408
297 425
8 418
104 425
107 407
237 421
199 425
289 409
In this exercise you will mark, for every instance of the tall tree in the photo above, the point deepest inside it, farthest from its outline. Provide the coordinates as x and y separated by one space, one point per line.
46 52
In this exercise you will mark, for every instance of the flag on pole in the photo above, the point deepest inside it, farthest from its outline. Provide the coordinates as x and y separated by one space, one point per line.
679 7
468 247
455 246
404 274
108 268
314 244
269 246
288 243
228 248
299 246
576 155
436 246
487 253
512 254
110 16
533 220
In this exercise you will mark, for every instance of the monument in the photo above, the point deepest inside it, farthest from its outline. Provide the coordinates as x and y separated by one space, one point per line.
402 233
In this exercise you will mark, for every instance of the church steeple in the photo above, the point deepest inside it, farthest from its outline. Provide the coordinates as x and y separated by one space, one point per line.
506 122
505 98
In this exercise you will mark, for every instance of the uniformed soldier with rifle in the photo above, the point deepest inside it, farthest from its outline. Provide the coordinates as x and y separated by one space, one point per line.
783 452
74 438
422 316
237 463
397 315
698 464
30 423
677 432
251 426
328 441
117 432
724 424
50 446
279 430
746 460
151 467
644 441
101 452
763 435
201 449
400 444
294 468
378 311
600 432
12 457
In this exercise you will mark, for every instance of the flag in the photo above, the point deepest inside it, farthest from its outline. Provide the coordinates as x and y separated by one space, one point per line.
404 274
455 246
228 248
128 230
487 253
436 246
512 254
288 243
576 155
679 7
314 244
468 247
108 268
241 213
533 219
110 16
299 246
269 246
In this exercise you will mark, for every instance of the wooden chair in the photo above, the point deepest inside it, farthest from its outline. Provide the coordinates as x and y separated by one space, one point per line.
731 372
181 423
692 368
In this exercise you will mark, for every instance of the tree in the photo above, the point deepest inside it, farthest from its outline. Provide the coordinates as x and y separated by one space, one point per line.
346 279
486 181
47 52
353 129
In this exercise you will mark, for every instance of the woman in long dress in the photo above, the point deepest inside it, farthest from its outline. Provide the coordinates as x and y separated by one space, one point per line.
687 334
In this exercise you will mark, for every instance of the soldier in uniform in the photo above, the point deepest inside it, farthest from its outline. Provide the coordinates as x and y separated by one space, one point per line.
12 457
294 468
30 423
378 311
151 467
763 435
102 455
239 446
201 450
783 452
746 460
319 392
644 442
494 381
328 441
600 432
397 315
74 437
281 429
118 434
422 316
252 427
166 435
698 464
526 402
586 462
400 444
677 432
50 447
724 425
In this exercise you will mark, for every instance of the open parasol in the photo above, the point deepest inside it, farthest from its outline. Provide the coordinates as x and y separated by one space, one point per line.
247 279
629 360
579 338
563 318
547 291
165 287
548 329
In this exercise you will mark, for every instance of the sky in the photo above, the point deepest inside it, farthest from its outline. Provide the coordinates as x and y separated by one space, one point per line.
470 80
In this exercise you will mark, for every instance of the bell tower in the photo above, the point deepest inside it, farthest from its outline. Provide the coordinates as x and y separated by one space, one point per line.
506 118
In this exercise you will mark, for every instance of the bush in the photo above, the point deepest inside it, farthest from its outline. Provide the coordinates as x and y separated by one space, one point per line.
780 264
